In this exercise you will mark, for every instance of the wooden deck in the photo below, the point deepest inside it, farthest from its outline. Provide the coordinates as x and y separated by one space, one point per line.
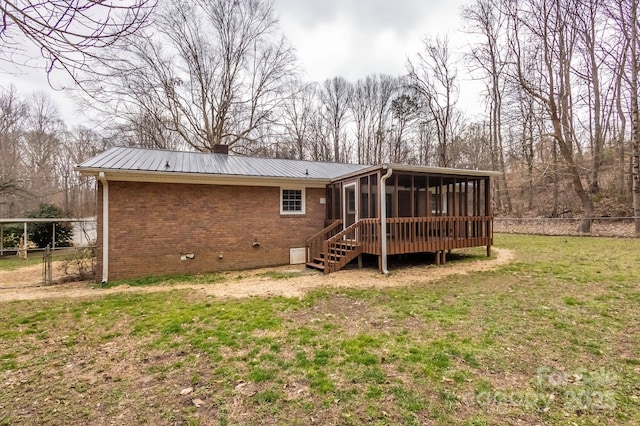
332 248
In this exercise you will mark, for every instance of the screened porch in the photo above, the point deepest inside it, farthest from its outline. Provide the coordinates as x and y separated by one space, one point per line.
424 210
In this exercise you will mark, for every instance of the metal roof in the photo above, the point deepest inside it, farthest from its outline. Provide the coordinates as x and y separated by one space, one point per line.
180 163
156 160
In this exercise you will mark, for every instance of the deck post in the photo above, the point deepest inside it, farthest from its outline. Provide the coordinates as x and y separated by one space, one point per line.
360 261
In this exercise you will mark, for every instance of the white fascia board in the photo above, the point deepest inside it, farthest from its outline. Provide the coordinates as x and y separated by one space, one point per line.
202 179
441 171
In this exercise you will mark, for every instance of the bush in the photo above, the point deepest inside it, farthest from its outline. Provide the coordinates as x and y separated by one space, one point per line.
11 236
82 262
41 233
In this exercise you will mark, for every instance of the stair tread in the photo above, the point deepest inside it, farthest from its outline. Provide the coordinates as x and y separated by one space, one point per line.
315 265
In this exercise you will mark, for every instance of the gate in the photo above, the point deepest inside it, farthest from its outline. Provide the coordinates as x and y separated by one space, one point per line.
46 266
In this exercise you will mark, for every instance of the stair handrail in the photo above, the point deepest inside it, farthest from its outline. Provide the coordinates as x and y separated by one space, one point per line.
344 232
319 238
333 240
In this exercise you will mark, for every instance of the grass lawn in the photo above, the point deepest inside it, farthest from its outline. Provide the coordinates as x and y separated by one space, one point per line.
550 338
11 263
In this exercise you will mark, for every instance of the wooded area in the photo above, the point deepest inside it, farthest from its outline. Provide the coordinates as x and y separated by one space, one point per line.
560 94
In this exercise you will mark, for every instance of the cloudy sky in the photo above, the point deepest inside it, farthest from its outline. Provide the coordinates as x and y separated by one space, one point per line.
348 38
355 38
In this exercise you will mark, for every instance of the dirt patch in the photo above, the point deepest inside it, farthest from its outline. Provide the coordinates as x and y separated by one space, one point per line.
256 282
31 276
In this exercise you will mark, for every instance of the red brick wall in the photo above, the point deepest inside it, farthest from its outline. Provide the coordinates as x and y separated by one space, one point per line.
152 224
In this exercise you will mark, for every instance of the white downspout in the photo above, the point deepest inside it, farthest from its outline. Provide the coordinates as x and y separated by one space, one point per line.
383 219
105 227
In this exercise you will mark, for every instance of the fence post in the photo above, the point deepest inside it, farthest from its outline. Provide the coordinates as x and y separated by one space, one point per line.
46 266
26 240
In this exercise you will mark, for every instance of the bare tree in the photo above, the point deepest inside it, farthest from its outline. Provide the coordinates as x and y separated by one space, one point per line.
551 39
335 96
477 150
433 76
13 112
68 34
635 115
79 144
489 57
298 120
361 110
620 14
627 12
41 142
371 108
147 129
405 111
218 70
592 70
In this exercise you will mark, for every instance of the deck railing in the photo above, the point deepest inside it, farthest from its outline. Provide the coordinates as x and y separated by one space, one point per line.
315 244
426 234
404 235
342 248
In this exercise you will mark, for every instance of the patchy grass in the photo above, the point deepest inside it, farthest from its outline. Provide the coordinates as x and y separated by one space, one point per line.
551 338
11 263
280 275
169 280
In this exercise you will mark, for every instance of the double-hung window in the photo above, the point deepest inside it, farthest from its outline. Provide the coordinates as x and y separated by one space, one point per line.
291 201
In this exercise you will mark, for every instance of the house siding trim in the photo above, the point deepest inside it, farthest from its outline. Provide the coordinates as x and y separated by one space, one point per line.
202 179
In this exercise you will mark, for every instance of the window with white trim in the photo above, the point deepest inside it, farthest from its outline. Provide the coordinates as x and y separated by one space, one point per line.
291 201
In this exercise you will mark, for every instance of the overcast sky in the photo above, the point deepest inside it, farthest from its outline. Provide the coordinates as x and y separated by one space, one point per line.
356 38
348 38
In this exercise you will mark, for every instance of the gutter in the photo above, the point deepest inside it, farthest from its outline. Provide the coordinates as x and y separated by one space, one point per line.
105 227
383 219
202 178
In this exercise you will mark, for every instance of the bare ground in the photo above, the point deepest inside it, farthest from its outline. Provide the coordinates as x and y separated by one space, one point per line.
17 285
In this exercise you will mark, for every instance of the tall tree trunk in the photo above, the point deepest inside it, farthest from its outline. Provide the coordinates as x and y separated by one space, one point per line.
622 116
556 178
635 130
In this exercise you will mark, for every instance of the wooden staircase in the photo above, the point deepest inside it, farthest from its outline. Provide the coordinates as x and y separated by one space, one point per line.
336 256
336 251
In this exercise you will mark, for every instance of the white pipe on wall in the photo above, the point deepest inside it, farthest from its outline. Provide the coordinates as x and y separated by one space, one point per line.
383 219
105 227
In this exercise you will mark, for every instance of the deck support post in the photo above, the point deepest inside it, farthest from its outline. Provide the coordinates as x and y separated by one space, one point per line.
488 250
360 261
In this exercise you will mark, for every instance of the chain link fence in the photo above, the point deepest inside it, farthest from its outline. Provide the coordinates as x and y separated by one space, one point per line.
61 261
600 227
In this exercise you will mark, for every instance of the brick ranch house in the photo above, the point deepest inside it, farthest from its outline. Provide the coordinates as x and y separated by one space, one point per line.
167 212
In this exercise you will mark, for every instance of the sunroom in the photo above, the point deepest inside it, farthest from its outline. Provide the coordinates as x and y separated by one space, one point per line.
416 209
